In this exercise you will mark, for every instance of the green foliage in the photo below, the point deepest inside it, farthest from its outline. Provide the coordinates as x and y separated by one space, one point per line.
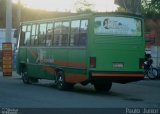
131 6
2 13
28 14
151 8
121 9
82 6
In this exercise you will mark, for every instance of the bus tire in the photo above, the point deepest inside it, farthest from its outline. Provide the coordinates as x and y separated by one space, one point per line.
60 81
25 78
34 80
101 87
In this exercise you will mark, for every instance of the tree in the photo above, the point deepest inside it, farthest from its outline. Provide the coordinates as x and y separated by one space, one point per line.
151 8
2 13
132 6
82 6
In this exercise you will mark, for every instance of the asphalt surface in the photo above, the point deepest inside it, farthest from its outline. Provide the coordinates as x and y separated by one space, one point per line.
13 93
146 81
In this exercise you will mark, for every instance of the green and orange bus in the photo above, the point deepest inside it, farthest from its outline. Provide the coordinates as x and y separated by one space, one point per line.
96 48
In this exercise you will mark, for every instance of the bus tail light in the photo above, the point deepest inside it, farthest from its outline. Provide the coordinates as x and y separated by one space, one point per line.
92 62
141 63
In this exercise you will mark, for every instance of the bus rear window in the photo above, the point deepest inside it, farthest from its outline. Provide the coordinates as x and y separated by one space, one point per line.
120 26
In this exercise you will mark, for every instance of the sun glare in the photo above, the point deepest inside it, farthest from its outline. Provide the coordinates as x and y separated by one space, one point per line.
68 5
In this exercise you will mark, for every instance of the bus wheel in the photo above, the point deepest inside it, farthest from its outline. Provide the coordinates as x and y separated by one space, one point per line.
103 86
25 78
60 81
34 80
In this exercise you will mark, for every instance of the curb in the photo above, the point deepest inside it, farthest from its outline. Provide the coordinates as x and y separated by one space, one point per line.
14 75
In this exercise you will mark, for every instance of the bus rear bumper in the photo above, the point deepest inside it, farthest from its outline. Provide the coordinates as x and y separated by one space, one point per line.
119 77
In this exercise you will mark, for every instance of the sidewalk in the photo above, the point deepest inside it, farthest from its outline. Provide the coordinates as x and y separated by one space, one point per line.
14 75
147 82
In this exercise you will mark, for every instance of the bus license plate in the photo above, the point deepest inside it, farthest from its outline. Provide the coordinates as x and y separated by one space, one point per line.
118 65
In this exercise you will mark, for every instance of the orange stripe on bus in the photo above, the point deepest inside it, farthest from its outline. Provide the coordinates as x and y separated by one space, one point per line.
49 69
132 75
72 64
75 78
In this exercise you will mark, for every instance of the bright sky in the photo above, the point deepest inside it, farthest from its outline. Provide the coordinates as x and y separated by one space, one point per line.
68 5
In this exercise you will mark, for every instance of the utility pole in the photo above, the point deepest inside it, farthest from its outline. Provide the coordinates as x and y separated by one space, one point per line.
19 13
8 20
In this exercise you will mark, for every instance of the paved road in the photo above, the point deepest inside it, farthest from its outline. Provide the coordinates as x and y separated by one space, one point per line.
13 93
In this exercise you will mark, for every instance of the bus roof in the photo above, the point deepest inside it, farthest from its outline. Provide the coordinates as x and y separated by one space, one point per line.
87 15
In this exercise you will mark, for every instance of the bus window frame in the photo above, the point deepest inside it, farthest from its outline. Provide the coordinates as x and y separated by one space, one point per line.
36 34
25 32
52 34
44 37
79 33
66 33
56 33
19 42
33 35
84 32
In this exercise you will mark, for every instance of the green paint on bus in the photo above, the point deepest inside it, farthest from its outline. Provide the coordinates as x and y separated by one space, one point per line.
97 48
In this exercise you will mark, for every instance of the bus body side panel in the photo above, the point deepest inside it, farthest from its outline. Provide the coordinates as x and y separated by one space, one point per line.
77 67
49 69
37 61
20 58
43 63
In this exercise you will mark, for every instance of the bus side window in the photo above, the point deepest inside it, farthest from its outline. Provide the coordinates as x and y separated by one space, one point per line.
28 36
23 35
65 33
74 33
42 34
33 33
22 38
83 33
27 39
57 34
36 36
49 35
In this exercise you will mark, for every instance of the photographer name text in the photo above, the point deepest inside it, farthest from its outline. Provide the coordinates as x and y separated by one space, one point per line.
142 111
